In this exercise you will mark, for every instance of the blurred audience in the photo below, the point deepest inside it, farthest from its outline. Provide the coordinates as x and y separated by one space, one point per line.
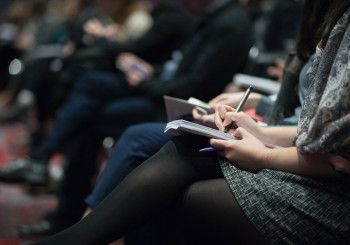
109 62
49 80
112 101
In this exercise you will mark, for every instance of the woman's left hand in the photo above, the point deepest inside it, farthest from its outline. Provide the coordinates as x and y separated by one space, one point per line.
247 152
204 119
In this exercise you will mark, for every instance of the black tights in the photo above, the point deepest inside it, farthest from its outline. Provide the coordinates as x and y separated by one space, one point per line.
178 178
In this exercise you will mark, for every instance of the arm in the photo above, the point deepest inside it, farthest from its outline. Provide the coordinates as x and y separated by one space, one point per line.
293 161
249 153
208 64
168 31
233 99
281 136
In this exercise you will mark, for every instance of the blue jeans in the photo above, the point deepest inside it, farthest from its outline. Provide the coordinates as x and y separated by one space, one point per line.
136 144
97 98
101 104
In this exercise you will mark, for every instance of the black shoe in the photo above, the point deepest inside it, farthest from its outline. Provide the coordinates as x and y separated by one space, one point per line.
16 113
45 227
25 170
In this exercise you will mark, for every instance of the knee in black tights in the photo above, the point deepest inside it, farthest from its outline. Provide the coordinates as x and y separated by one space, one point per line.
213 216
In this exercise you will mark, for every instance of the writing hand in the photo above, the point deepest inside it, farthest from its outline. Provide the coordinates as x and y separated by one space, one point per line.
226 115
245 153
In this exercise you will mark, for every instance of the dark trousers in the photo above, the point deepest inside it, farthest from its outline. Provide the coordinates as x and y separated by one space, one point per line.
135 145
100 104
98 97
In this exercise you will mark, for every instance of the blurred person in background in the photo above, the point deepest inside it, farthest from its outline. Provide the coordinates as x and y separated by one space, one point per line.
296 193
104 104
171 26
48 81
17 33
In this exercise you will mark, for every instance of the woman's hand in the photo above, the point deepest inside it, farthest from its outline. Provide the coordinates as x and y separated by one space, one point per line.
205 119
233 99
246 153
226 115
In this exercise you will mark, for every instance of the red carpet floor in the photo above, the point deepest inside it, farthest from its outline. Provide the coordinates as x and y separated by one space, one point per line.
16 205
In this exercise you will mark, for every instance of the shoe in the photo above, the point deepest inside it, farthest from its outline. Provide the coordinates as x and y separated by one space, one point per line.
25 170
45 227
14 113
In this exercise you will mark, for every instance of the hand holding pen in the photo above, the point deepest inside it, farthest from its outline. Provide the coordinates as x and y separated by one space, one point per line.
221 113
239 108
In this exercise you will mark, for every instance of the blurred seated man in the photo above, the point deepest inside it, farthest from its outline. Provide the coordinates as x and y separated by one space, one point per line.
106 103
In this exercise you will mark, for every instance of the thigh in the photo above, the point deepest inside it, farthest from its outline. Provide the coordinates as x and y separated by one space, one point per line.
120 113
104 85
213 216
140 141
135 146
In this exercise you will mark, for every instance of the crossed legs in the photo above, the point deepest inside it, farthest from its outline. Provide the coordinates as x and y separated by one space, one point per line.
176 178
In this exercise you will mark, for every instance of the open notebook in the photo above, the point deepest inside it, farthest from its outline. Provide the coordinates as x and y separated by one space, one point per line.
177 108
179 127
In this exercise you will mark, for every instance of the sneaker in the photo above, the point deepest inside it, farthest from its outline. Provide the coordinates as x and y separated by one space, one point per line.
25 170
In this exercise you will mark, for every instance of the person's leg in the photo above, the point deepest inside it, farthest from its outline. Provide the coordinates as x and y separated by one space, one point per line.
119 114
136 145
211 215
80 168
81 154
148 191
91 92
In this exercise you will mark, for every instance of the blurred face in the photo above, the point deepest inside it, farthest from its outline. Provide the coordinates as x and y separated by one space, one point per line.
197 7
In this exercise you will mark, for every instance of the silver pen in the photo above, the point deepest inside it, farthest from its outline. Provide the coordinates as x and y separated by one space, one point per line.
238 109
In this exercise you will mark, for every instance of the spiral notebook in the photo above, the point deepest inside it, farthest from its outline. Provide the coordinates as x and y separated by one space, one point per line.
179 127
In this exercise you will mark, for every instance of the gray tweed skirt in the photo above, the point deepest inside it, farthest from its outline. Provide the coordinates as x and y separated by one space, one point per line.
291 209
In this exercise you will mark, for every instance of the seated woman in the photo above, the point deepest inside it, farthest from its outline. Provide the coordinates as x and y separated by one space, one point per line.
251 193
141 141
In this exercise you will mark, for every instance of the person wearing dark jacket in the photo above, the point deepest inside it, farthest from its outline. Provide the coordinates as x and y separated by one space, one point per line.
217 50
253 193
170 28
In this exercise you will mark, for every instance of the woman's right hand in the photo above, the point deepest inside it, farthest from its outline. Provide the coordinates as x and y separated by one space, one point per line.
226 115
233 99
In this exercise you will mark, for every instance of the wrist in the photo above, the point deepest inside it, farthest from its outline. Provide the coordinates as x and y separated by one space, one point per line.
261 134
265 158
